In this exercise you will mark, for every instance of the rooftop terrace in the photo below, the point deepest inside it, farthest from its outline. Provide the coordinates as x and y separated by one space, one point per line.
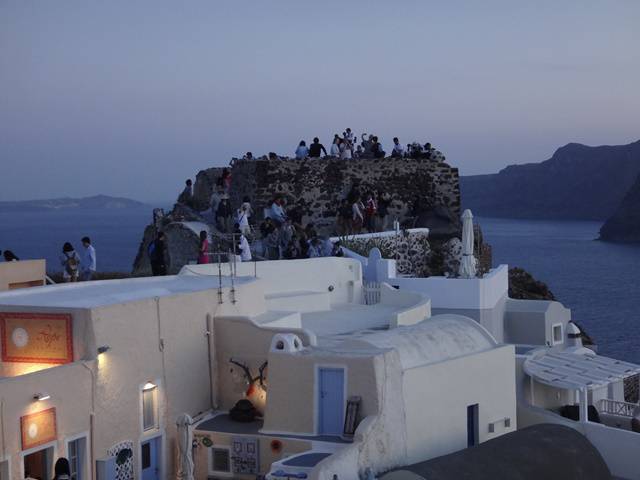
110 292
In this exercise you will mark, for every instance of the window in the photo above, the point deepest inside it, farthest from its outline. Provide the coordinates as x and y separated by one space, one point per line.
557 333
220 460
149 407
76 451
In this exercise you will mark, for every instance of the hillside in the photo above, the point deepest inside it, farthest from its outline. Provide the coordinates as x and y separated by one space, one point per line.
577 182
97 202
624 224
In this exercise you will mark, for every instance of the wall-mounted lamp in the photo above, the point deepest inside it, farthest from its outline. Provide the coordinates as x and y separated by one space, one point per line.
39 397
103 349
148 386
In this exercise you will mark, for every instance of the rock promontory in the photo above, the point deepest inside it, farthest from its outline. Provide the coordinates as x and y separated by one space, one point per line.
423 192
624 224
577 182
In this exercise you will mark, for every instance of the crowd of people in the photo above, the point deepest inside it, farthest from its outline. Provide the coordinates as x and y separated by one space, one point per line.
282 233
75 266
282 237
370 146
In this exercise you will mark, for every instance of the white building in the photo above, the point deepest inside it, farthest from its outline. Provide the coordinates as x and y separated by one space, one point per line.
354 378
558 380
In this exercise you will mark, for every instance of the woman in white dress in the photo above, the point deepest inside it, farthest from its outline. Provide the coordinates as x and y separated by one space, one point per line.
335 147
345 149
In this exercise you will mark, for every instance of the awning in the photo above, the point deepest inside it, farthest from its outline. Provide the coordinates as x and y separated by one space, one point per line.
575 371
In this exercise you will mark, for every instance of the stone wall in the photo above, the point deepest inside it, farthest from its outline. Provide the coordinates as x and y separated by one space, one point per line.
316 186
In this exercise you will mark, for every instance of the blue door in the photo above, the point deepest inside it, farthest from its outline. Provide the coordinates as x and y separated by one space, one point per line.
331 401
150 459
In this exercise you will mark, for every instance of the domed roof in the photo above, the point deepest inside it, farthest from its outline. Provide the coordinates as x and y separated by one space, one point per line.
439 338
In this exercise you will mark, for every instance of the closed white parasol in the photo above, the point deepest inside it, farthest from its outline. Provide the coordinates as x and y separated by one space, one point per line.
185 447
468 262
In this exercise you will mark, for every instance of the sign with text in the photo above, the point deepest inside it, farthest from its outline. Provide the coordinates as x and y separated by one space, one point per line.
36 337
245 455
38 428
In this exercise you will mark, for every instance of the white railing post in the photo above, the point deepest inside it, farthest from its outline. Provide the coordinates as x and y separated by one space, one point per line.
584 405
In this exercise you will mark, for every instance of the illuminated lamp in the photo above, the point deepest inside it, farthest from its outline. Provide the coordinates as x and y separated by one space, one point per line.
148 386
103 349
40 397
276 446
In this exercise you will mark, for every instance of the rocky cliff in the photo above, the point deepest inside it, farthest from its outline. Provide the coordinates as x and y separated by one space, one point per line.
313 188
624 224
423 193
577 182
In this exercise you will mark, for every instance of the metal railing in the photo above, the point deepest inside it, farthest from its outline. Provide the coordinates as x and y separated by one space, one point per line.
614 407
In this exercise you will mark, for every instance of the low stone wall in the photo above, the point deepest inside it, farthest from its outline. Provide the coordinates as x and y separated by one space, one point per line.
410 249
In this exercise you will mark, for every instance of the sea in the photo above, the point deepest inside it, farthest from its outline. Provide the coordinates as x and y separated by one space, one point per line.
598 281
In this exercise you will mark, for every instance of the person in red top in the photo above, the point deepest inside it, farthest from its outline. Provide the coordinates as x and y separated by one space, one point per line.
203 256
370 210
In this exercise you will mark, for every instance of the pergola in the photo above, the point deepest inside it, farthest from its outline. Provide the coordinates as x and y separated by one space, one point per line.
573 371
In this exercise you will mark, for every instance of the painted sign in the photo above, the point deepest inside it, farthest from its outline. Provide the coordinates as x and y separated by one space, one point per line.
245 455
36 337
38 428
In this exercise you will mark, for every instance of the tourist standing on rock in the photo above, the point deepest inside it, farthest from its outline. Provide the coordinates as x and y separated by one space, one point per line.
302 151
366 144
216 196
203 251
337 251
314 250
376 149
243 218
370 211
335 146
287 234
357 218
384 201
270 239
157 255
70 261
345 149
242 244
344 220
186 197
398 150
88 260
224 180
224 214
277 212
348 136
9 256
316 148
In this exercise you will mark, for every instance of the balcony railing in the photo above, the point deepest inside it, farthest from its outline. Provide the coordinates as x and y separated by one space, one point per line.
614 407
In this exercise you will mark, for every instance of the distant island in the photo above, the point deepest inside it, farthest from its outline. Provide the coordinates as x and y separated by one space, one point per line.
578 182
96 202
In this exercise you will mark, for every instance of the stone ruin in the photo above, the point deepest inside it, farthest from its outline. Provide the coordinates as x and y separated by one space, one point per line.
424 193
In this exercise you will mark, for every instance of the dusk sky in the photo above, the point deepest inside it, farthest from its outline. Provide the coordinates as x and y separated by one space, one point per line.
130 98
